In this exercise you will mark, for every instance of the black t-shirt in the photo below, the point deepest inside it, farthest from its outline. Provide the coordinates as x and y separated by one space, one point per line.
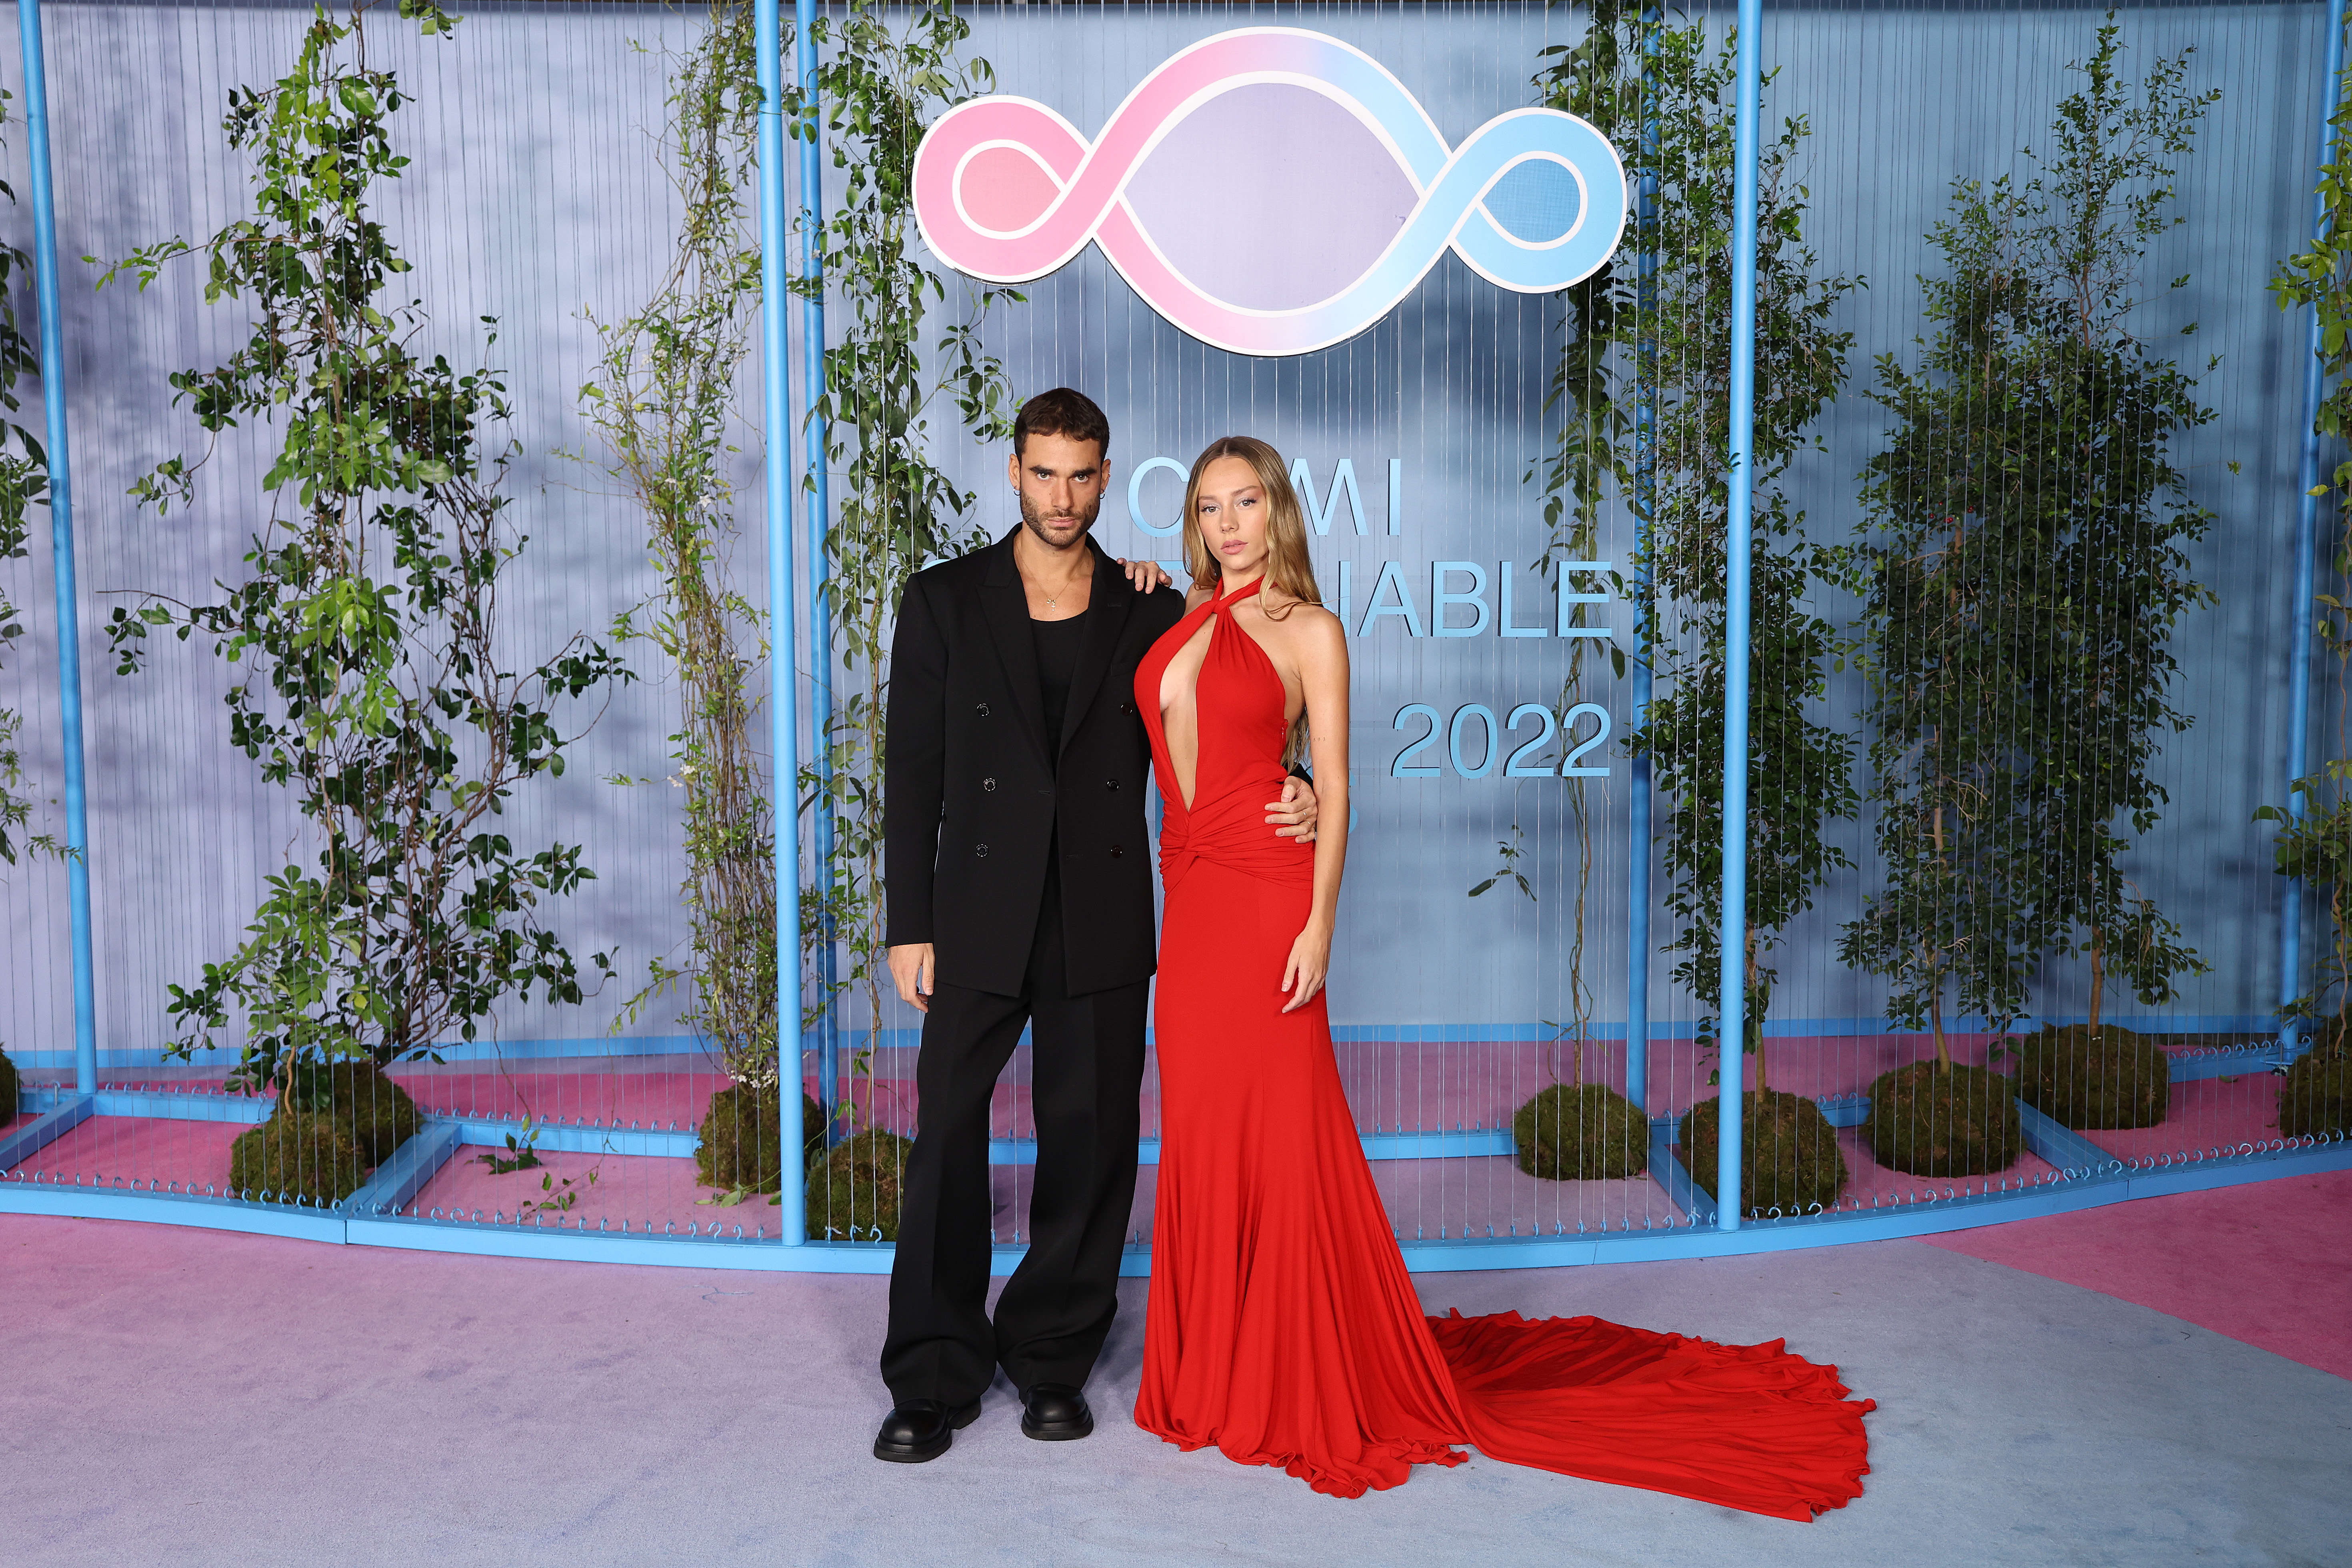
1057 665
1056 643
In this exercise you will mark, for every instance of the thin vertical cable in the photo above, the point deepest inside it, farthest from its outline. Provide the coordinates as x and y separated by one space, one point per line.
61 542
819 510
792 1223
2306 547
1733 1036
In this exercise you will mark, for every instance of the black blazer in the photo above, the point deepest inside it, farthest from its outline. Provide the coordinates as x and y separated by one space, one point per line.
974 790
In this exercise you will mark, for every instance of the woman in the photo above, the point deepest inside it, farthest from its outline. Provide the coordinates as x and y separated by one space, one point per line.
1282 1325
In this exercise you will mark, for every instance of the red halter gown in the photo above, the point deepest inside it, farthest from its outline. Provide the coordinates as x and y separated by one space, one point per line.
1282 1327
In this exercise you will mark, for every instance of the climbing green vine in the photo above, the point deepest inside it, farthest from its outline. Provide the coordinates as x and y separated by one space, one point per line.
1589 80
665 401
887 72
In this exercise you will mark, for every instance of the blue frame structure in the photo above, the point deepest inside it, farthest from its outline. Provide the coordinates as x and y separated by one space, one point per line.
1732 934
384 1212
62 537
2085 1177
774 344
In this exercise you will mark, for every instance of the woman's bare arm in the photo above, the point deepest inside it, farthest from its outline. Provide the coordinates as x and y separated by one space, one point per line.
1320 645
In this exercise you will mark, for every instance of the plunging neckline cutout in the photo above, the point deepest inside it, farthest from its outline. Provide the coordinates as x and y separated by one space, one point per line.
1188 789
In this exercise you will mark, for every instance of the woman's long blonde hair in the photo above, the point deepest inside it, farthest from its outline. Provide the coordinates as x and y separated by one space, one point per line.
1286 565
1288 568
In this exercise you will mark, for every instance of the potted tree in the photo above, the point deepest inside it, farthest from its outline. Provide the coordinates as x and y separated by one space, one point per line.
371 680
665 401
2030 436
665 404
1933 573
1575 1130
885 75
1663 93
2074 501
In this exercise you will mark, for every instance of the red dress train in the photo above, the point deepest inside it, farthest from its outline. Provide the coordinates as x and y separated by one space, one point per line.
1282 1327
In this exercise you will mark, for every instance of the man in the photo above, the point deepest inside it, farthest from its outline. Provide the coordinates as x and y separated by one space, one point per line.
1018 873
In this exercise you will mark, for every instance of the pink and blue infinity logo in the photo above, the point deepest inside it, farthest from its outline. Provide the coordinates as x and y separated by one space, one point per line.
1269 119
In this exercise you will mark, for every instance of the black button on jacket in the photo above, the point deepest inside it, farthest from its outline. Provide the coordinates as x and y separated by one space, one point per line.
969 763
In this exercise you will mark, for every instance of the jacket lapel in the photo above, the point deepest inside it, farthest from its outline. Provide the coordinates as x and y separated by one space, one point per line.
1007 608
1114 596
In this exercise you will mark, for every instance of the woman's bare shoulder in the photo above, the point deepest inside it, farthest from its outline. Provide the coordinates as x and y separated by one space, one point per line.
1317 621
1312 629
1300 635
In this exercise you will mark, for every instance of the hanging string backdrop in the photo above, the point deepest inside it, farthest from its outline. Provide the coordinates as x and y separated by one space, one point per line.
2019 618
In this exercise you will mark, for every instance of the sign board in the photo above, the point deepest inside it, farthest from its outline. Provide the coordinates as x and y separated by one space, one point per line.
1008 191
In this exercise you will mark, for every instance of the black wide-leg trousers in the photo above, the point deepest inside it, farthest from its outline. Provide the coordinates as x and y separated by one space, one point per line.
1086 1083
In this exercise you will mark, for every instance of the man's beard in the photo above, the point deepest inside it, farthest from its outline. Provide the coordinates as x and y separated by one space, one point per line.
1035 521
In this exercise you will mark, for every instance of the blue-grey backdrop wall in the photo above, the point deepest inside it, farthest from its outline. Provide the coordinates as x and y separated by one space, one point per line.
536 196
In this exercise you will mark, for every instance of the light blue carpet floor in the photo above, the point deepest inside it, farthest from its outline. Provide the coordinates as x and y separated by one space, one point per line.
176 1397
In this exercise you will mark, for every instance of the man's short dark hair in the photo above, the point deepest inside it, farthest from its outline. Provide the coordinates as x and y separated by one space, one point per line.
1065 411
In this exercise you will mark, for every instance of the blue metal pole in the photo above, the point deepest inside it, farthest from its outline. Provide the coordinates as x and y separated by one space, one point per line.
1645 457
1732 1004
828 1066
2306 549
61 542
775 347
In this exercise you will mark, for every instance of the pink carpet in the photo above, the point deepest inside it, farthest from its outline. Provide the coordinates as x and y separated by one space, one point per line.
2269 1263
117 1151
2207 1114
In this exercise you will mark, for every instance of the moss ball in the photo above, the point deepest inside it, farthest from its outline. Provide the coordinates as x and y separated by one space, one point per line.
1585 1132
853 1192
742 1141
2313 1096
12 1090
2081 1079
296 1154
1944 1122
1788 1157
375 1111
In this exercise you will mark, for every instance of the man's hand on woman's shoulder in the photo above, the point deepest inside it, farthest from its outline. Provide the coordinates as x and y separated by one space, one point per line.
1147 576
